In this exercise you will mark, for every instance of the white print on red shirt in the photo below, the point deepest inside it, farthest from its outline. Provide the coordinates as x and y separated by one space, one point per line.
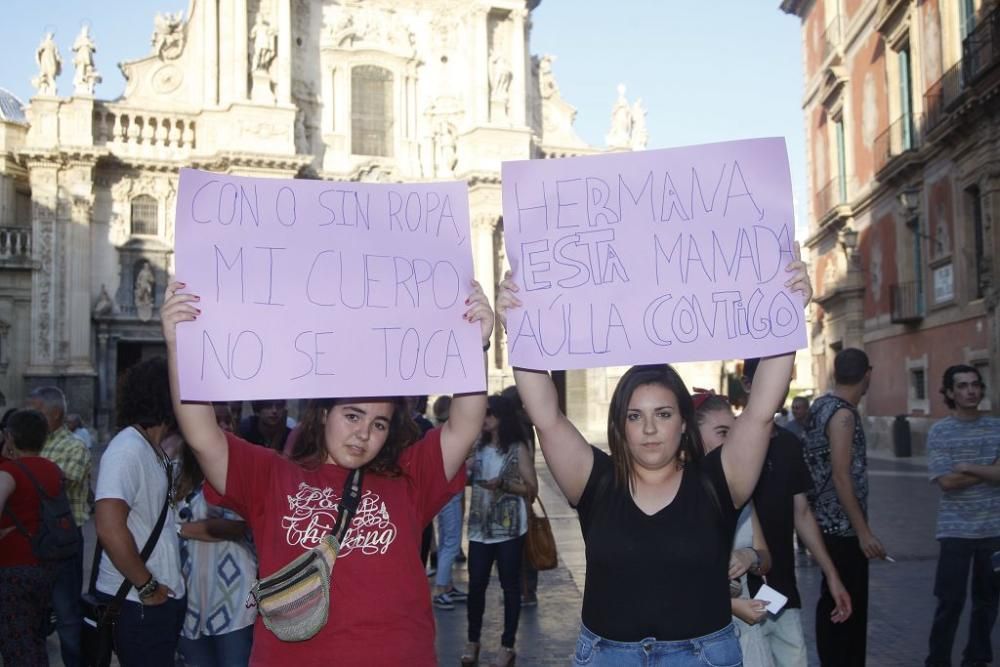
313 513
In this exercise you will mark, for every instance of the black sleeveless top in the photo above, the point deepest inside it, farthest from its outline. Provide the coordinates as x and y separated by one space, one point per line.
663 576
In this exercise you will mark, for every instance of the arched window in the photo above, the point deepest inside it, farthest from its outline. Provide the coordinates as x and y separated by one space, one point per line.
145 212
371 111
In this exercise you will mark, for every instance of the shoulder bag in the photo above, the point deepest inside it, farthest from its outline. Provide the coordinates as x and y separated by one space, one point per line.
294 602
539 543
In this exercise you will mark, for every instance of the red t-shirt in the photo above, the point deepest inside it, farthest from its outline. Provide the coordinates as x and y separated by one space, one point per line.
15 549
380 607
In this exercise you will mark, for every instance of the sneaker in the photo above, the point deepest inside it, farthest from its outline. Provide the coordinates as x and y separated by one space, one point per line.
529 601
457 596
461 557
431 570
443 601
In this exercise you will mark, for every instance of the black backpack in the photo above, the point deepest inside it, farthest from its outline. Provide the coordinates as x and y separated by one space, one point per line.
57 537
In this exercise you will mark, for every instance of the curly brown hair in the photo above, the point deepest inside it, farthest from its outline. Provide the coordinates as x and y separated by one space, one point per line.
310 452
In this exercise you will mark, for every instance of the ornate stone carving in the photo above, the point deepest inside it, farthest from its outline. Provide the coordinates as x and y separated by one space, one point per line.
639 135
104 305
445 149
167 79
620 134
368 27
49 66
86 76
501 76
160 188
145 284
263 45
168 35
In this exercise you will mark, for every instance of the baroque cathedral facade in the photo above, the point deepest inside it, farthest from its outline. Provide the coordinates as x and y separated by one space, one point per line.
373 90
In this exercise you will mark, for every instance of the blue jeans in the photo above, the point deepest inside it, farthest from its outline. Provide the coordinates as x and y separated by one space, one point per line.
449 521
718 649
146 636
958 557
66 605
231 649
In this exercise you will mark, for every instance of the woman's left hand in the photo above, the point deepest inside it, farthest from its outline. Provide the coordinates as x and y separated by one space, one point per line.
740 561
479 311
800 281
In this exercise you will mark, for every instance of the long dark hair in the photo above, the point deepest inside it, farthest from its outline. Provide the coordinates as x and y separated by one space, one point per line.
191 475
310 447
690 451
510 429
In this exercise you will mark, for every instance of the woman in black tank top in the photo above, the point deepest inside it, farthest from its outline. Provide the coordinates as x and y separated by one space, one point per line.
657 514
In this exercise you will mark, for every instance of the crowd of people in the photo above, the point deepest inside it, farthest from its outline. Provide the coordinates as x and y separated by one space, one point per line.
226 539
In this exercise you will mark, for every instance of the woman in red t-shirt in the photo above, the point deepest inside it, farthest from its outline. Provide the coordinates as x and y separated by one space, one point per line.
380 607
25 583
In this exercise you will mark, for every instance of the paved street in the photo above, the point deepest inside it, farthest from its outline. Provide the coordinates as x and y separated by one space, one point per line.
903 510
903 513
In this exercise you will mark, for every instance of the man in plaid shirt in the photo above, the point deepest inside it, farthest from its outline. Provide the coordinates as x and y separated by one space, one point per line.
71 455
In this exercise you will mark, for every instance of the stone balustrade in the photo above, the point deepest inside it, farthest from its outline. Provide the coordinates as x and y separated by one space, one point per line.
15 243
136 131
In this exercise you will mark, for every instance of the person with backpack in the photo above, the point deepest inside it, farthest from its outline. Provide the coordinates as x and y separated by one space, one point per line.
26 580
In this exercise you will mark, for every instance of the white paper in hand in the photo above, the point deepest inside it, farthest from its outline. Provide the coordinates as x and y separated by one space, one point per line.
775 600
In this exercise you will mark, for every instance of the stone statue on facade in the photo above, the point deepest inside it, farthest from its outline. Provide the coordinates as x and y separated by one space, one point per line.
620 134
49 66
104 305
263 44
145 282
262 52
501 76
86 76
639 135
168 35
547 86
445 150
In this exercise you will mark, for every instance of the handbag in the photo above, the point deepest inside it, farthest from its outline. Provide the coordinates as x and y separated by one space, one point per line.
294 602
99 616
539 543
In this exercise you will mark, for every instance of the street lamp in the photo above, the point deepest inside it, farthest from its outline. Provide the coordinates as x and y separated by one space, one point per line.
909 199
848 239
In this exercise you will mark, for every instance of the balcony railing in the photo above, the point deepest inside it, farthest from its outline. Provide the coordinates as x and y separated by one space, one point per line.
830 196
942 94
981 48
906 302
902 136
134 131
15 244
831 37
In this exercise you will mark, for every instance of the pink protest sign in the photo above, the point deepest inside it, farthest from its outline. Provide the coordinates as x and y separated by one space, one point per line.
323 289
652 256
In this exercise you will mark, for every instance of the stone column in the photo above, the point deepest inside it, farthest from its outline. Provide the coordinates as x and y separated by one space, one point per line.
519 66
44 178
209 70
284 58
480 65
241 49
75 316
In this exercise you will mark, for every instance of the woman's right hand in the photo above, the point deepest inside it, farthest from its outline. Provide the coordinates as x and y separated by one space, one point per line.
750 612
176 308
506 298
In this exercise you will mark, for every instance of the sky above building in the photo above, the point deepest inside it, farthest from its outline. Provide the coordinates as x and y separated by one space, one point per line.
706 70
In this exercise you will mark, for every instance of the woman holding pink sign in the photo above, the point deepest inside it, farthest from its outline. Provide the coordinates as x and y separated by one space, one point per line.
658 514
356 492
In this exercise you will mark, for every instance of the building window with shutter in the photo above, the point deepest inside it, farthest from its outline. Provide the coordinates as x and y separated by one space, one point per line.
145 216
371 111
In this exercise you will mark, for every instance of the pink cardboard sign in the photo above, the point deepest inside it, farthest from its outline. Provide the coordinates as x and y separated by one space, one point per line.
324 289
653 256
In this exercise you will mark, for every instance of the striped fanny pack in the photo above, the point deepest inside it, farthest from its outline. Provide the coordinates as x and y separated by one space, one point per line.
295 601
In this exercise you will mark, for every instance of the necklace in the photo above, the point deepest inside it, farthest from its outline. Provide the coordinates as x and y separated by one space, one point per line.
164 461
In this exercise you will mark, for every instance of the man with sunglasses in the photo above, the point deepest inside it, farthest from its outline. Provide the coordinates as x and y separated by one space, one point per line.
963 452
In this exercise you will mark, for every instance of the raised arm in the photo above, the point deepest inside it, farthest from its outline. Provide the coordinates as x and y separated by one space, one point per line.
566 452
465 419
196 420
746 448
